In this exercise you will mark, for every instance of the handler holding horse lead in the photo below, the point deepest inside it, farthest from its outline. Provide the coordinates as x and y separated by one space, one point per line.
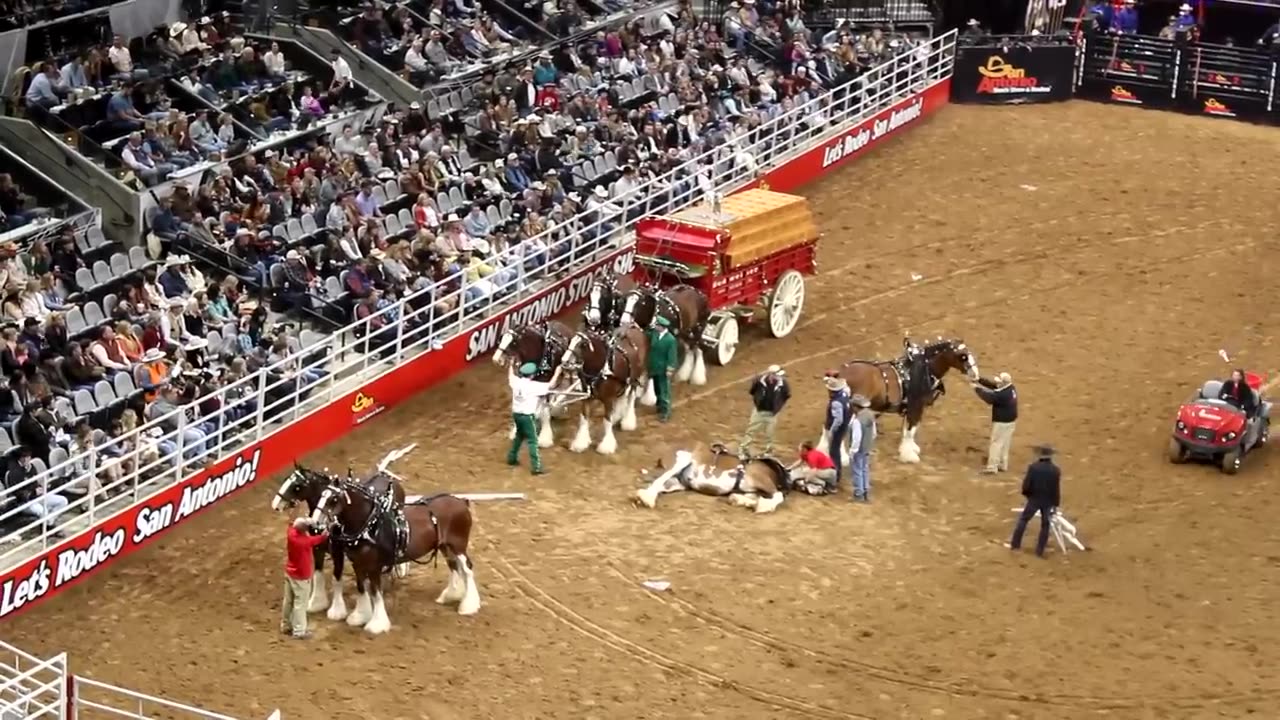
526 394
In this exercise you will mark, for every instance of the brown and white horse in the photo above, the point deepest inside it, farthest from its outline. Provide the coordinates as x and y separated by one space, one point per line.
760 483
606 301
378 536
609 369
543 344
306 485
907 385
686 308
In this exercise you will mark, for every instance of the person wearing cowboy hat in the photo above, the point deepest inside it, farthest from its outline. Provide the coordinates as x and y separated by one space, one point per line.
1002 396
1042 487
839 419
661 363
526 395
171 279
769 393
1186 21
862 440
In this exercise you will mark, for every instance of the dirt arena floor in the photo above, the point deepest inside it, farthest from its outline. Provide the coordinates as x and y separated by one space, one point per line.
1102 255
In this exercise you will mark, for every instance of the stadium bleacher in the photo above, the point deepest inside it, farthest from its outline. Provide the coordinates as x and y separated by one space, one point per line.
456 206
181 99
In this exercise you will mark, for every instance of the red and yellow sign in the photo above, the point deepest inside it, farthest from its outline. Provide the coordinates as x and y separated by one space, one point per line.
1120 93
1213 106
999 76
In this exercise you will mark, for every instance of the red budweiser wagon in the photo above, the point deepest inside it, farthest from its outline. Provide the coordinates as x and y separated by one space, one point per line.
749 257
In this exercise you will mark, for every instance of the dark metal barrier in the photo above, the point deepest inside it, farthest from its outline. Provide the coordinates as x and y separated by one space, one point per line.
1015 72
1200 78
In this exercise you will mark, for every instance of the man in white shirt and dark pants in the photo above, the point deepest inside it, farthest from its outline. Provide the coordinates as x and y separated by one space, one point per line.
526 394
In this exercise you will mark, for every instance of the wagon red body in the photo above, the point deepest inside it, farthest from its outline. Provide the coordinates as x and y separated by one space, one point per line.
749 257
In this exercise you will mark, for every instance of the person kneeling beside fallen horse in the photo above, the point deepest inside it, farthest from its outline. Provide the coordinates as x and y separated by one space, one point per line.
814 473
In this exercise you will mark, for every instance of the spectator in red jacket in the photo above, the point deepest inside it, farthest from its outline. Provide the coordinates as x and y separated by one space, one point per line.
299 571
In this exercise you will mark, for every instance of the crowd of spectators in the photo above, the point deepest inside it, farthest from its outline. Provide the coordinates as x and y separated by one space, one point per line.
193 96
453 208
455 37
16 14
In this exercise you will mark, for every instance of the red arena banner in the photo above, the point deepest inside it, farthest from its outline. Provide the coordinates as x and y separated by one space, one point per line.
855 141
79 557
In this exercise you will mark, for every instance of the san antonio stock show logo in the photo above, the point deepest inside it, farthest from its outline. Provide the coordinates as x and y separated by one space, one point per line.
1002 78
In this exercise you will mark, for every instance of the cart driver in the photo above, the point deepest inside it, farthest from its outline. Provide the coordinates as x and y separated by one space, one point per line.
1237 392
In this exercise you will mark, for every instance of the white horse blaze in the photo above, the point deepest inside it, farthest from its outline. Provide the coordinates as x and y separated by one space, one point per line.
277 504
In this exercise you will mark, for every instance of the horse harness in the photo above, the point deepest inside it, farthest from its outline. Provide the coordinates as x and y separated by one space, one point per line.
384 509
592 381
901 368
551 349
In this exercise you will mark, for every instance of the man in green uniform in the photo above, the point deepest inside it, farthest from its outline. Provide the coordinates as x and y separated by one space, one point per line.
526 393
662 360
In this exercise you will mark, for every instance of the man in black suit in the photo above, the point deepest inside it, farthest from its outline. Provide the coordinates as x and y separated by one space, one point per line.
1041 488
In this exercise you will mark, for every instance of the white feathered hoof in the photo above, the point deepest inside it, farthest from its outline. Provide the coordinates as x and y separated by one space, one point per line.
401 571
908 453
629 421
650 398
647 497
608 444
319 597
363 612
546 438
699 375
337 607
453 591
686 367
582 440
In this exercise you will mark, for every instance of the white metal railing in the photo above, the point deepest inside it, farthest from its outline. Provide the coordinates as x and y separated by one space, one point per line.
31 688
92 700
169 448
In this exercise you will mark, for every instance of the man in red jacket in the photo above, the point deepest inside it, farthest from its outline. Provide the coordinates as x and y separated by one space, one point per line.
299 571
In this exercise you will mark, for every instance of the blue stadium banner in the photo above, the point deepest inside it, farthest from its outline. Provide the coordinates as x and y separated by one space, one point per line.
1013 73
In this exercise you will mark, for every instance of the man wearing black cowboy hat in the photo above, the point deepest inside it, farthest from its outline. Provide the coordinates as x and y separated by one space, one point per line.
1041 488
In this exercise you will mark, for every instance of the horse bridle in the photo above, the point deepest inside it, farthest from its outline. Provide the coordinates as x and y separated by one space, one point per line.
608 294
298 476
552 344
589 381
379 503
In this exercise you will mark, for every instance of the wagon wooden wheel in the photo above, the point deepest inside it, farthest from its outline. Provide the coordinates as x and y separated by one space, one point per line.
723 339
785 303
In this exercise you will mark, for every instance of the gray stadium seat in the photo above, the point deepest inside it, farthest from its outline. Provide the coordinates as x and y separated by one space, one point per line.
84 278
309 225
109 303
120 265
75 321
93 315
380 195
58 456
95 237
494 217
276 273
393 225
138 258
294 230
103 395
84 403
123 383
333 287
102 273
406 218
